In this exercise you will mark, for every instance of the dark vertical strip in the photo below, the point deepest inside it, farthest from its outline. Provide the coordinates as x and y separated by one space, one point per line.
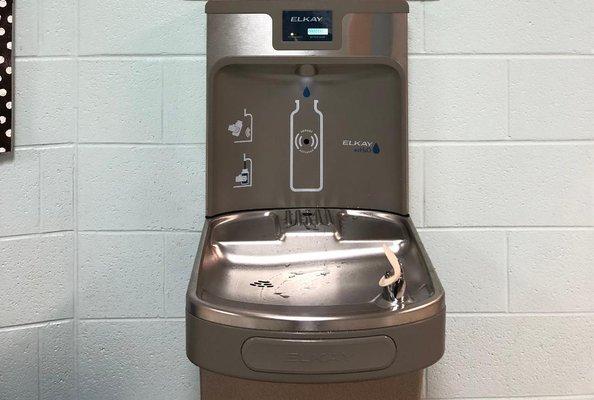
6 73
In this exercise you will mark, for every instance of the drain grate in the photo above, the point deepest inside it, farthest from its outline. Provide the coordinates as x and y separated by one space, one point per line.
262 284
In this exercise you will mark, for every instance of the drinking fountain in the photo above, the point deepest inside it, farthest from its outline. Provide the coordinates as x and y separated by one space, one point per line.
310 281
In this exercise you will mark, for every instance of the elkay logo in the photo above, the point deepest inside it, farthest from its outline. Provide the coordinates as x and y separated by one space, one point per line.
307 19
319 358
362 146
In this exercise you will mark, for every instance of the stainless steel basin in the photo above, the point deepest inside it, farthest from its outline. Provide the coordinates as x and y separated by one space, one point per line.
277 293
310 270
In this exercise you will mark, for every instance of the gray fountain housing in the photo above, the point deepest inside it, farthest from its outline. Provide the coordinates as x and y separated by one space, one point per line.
307 181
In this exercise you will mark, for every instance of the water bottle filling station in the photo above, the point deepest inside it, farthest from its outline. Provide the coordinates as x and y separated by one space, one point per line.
310 269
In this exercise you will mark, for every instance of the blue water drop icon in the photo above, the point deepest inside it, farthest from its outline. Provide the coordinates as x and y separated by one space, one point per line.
306 92
376 148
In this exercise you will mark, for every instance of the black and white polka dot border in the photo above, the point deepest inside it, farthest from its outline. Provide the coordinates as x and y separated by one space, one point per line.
6 73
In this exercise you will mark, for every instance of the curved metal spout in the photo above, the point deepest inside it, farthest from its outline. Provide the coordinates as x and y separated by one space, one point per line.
393 281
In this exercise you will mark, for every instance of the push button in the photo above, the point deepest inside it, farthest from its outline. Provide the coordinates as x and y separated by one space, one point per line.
323 356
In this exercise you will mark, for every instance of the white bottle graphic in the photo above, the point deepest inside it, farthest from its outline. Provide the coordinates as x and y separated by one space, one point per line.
244 179
306 147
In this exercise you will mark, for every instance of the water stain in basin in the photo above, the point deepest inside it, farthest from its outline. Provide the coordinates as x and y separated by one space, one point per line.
284 296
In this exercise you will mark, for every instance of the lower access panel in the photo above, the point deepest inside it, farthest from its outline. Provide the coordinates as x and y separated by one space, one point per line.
215 386
302 135
325 356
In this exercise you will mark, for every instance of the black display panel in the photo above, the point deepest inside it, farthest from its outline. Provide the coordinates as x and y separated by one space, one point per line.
307 26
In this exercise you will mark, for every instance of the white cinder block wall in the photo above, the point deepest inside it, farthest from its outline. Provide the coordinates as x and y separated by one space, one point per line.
102 203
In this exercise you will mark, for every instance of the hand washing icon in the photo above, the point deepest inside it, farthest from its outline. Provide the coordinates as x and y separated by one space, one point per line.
235 128
243 129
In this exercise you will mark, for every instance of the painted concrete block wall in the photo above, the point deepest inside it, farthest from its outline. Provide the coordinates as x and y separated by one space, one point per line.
101 221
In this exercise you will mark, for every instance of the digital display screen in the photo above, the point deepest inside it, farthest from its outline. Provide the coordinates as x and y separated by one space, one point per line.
307 26
317 31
